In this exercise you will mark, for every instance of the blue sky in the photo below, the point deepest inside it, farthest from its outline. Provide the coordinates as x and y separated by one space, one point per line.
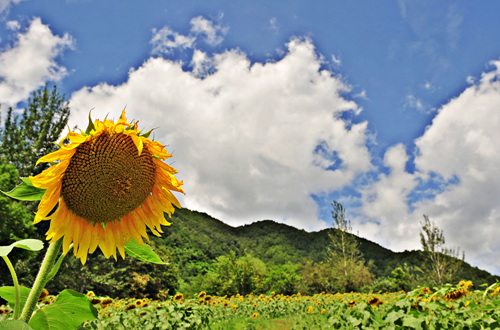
273 109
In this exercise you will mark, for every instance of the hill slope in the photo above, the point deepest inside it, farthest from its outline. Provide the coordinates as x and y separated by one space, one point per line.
196 240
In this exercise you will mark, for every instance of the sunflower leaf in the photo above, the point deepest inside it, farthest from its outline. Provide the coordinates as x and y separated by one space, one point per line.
27 181
26 192
69 311
27 244
142 252
9 293
14 324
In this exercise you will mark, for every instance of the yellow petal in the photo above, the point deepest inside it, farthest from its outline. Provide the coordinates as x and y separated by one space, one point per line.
95 234
61 154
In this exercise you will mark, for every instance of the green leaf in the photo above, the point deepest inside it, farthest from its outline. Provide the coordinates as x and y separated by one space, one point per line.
26 192
14 324
27 181
27 244
147 134
142 252
68 311
9 293
91 126
413 322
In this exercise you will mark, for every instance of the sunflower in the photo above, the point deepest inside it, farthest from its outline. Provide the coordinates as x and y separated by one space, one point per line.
104 187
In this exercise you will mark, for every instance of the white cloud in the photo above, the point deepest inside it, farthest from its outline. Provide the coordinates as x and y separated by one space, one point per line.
413 102
30 62
13 25
385 201
336 60
244 136
214 33
165 40
5 4
460 145
463 142
273 22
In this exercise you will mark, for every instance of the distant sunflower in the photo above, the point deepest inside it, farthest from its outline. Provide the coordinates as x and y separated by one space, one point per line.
108 184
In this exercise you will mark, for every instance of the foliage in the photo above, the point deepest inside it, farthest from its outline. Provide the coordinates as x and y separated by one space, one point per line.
349 272
284 279
444 262
232 275
447 307
26 138
17 222
196 240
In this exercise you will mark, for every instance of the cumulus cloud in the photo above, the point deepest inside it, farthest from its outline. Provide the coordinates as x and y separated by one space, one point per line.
385 204
245 136
165 40
458 155
462 142
31 61
214 33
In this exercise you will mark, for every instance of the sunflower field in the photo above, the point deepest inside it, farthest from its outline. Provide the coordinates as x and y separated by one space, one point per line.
448 307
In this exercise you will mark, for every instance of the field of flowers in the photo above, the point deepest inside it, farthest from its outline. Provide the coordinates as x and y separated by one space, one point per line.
449 307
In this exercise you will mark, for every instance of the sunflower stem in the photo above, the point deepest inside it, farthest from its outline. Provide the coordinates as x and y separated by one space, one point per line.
41 280
55 269
16 286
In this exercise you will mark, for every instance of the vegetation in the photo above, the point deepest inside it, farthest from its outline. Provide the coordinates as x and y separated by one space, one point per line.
448 307
444 262
23 139
262 266
26 138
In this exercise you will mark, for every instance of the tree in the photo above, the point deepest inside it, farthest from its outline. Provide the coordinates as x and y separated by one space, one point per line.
233 275
283 279
26 138
348 265
444 262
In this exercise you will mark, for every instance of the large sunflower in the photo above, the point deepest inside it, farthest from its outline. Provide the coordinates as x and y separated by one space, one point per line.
107 184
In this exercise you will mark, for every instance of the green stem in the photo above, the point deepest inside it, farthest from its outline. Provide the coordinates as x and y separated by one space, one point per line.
16 286
55 269
41 280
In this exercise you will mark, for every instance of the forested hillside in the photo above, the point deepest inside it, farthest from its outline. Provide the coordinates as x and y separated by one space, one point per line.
195 240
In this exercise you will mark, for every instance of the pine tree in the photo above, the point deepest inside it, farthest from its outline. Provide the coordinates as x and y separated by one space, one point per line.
26 138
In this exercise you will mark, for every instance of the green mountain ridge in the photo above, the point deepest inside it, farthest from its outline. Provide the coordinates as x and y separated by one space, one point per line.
196 239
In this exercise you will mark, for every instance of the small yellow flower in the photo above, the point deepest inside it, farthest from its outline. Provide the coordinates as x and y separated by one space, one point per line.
457 294
234 307
43 295
254 316
129 307
178 297
310 309
374 301
495 291
323 311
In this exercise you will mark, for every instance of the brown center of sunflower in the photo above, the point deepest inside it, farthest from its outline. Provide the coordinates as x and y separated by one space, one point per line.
107 179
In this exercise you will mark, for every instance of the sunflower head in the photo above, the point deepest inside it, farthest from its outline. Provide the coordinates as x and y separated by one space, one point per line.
106 185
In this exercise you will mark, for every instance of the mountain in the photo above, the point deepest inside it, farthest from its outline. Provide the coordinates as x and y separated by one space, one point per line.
196 239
